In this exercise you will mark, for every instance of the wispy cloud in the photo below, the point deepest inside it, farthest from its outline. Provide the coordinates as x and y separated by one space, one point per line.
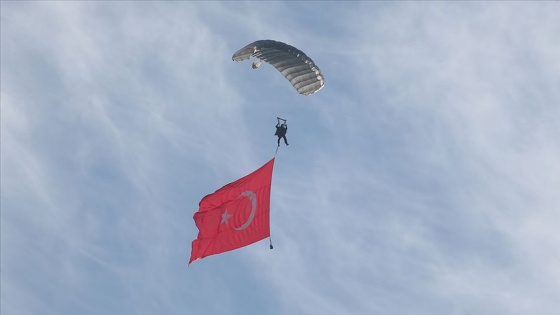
422 180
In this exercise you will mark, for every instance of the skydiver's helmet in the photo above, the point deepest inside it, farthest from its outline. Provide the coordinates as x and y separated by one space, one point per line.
256 64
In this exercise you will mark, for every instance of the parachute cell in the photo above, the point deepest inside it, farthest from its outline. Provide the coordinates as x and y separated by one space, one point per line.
291 62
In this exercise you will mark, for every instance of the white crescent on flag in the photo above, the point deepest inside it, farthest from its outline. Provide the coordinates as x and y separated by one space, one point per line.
251 195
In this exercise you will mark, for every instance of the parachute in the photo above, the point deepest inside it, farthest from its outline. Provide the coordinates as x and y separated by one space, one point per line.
294 64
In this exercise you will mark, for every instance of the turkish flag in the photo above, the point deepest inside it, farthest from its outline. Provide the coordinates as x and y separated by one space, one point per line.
234 216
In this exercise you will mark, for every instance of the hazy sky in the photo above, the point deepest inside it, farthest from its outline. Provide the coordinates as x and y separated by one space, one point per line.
423 179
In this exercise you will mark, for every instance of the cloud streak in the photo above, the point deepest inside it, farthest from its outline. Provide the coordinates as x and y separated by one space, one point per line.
422 180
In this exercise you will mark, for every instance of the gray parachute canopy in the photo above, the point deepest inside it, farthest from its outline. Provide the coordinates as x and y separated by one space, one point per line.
293 63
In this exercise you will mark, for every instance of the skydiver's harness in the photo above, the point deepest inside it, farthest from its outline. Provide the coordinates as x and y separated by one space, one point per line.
280 124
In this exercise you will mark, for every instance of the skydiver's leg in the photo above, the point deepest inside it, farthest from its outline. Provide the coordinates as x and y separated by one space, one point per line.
285 140
279 140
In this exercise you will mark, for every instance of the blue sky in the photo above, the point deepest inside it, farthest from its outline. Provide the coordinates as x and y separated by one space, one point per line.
423 179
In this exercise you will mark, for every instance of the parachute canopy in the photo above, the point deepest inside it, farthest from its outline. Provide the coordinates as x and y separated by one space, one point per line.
294 64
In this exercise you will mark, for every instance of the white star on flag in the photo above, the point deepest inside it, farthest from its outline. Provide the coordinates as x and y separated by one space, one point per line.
225 217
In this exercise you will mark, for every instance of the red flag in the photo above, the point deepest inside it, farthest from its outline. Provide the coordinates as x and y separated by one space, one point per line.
234 216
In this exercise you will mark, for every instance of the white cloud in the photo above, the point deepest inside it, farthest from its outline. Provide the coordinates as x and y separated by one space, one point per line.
421 180
458 155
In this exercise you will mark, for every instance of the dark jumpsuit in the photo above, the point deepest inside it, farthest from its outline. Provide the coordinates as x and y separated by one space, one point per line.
281 130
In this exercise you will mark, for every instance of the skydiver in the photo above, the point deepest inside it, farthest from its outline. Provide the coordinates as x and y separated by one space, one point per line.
281 130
